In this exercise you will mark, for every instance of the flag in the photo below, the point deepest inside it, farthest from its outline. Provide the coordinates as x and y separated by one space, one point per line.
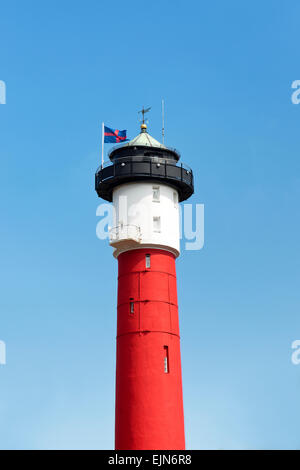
114 135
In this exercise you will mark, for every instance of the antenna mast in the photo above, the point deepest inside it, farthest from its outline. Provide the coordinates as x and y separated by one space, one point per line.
163 120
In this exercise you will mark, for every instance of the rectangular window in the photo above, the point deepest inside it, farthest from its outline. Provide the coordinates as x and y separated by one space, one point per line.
156 224
156 194
175 199
148 263
166 359
131 306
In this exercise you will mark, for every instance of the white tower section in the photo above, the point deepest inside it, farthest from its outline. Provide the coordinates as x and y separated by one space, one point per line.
146 215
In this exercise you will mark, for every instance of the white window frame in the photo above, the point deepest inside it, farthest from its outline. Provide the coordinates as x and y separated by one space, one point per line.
156 220
156 191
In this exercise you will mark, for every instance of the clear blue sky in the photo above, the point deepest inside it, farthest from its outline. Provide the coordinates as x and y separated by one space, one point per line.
225 71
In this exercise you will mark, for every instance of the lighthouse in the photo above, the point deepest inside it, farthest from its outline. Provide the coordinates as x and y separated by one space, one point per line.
145 182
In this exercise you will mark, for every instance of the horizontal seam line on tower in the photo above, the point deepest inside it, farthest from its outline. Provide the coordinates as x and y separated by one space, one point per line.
146 300
147 331
147 271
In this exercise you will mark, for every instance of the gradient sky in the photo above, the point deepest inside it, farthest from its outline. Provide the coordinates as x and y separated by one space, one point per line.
225 70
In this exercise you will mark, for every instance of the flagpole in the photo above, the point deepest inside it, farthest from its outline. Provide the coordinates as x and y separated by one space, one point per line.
102 158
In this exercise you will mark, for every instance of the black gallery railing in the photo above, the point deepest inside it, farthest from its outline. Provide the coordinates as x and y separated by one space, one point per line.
160 168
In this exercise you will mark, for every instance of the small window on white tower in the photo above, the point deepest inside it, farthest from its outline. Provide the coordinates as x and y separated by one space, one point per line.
148 263
156 194
156 224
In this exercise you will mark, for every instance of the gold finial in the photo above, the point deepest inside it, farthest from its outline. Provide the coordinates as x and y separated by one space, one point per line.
143 127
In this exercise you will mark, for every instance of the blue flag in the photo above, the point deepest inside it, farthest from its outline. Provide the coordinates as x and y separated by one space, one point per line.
112 136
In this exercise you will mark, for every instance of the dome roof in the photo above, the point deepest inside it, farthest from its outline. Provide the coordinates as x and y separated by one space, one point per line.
145 139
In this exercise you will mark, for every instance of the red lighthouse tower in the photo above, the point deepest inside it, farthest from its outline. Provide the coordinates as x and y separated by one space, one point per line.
145 183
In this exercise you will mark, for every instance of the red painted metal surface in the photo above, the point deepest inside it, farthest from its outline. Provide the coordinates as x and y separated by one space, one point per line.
149 405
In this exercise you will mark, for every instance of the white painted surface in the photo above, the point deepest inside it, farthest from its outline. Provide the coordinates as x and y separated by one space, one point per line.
134 207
